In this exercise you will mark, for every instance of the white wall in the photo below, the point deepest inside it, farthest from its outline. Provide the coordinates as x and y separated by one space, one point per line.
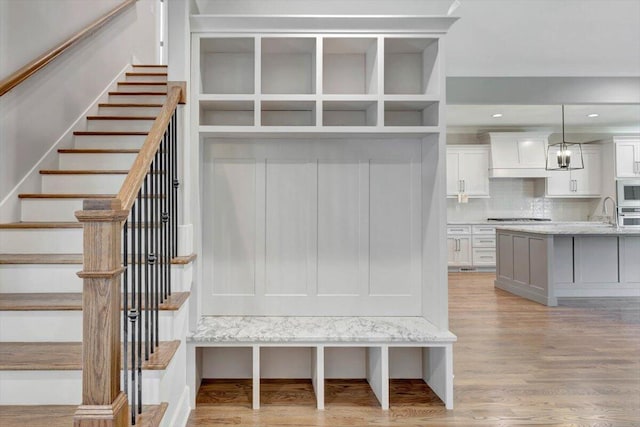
37 113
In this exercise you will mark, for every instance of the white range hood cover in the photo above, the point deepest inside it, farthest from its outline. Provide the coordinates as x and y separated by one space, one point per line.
517 154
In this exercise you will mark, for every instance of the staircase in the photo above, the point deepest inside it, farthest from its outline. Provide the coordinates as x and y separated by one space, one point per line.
40 293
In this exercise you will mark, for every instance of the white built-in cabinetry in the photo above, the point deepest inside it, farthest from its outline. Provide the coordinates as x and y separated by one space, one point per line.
468 170
321 147
627 157
323 83
471 246
586 182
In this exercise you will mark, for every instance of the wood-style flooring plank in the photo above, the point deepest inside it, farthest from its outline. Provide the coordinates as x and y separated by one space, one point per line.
516 363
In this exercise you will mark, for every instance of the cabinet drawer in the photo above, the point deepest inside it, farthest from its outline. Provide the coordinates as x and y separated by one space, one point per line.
484 241
458 229
484 229
484 256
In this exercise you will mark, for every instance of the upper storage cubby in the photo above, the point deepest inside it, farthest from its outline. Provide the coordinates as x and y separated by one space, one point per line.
288 65
227 65
350 65
411 66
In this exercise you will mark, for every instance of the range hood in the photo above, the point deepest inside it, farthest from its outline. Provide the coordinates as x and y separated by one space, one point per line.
517 154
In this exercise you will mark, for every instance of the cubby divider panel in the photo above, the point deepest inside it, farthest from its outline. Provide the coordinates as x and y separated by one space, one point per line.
411 113
350 65
349 113
288 65
411 66
288 113
227 65
227 113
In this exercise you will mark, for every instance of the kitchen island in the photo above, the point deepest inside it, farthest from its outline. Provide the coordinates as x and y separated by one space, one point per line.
546 262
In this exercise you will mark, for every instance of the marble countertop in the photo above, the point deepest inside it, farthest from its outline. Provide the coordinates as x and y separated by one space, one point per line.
524 223
594 228
287 329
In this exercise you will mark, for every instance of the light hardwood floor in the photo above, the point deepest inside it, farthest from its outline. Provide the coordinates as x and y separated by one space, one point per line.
516 363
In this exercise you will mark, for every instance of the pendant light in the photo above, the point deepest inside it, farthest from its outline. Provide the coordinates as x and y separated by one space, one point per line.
564 156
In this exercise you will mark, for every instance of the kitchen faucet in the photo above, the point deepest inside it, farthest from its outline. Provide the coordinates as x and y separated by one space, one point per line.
615 210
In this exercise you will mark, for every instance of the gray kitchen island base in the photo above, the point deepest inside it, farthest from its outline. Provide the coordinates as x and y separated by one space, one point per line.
550 262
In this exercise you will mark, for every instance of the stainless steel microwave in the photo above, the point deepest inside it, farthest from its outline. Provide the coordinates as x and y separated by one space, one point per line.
628 193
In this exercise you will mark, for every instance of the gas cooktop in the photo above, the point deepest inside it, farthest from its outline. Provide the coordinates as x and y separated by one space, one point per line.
518 219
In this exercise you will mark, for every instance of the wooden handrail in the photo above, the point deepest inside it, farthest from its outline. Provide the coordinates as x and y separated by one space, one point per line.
39 63
140 168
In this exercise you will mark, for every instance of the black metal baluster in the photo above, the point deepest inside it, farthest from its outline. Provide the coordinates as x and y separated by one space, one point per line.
176 184
125 304
133 318
147 303
165 210
139 302
150 254
156 220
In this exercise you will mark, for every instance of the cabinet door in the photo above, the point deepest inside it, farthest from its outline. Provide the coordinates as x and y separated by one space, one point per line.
627 159
559 183
459 251
588 181
453 169
474 172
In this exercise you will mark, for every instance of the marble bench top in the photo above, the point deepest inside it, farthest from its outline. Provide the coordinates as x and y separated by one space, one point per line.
289 329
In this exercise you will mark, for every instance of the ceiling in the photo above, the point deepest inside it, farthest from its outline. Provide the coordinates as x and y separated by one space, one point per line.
612 118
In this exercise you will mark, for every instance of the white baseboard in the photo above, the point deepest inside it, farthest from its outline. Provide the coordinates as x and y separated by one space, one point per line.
182 412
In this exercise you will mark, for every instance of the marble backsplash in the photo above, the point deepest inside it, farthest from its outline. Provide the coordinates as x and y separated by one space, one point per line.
521 197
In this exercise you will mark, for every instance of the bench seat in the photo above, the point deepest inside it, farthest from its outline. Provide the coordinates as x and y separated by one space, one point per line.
376 334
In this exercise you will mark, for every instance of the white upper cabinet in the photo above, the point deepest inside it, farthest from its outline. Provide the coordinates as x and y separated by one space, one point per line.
517 154
585 182
627 158
468 170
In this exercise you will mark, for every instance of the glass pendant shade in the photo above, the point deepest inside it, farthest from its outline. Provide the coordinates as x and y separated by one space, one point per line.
564 156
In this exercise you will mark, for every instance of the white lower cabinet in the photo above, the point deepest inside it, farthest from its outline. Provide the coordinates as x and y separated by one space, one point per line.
471 245
459 249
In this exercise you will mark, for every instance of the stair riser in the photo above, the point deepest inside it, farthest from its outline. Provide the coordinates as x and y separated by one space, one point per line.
39 278
129 111
66 326
37 241
56 210
137 99
63 387
101 161
151 69
75 184
142 88
147 79
109 141
119 125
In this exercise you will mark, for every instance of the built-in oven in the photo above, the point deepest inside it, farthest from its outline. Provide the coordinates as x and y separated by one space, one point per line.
629 217
628 193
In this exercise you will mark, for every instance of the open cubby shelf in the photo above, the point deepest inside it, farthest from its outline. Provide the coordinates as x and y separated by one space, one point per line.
317 82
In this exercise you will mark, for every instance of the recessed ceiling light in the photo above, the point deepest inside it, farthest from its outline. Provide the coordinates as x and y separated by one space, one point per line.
496 115
592 115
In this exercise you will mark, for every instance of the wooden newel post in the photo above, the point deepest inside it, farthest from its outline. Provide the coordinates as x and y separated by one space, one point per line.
103 403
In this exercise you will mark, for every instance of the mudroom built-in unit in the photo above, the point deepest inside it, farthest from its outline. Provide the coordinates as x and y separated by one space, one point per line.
322 202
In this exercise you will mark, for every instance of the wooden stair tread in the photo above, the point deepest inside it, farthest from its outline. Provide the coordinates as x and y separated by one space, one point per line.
127 105
133 73
62 415
17 259
82 172
56 301
25 225
142 83
149 66
78 196
121 118
139 93
98 150
67 356
107 133
40 259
